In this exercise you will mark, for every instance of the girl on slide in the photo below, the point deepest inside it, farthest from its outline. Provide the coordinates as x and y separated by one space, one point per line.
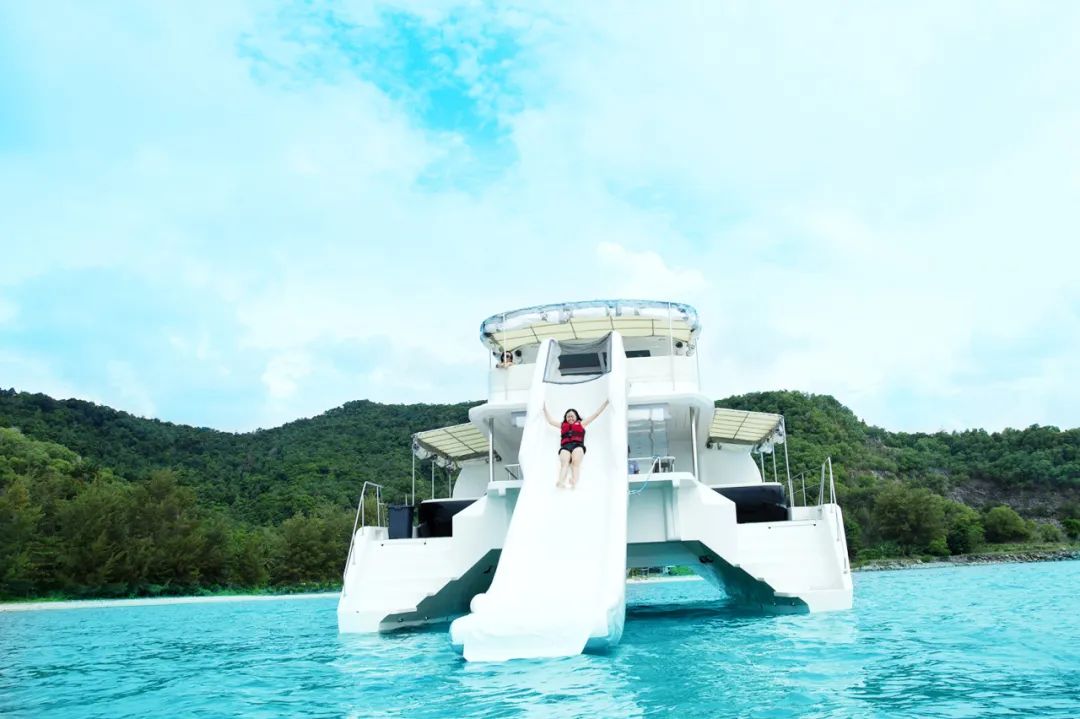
572 445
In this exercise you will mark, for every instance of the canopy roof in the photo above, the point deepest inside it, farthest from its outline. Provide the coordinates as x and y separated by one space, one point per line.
736 426
461 442
589 320
451 444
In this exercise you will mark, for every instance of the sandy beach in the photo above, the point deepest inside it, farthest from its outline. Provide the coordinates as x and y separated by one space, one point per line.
150 601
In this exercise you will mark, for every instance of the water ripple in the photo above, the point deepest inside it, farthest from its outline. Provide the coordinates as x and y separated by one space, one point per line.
954 642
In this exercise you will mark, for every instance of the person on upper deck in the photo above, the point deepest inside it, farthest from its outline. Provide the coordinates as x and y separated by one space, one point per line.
572 444
506 361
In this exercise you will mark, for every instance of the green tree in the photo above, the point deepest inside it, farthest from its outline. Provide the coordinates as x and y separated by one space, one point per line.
964 528
18 521
1047 532
99 554
1003 524
913 517
1072 528
313 547
250 555
939 547
853 534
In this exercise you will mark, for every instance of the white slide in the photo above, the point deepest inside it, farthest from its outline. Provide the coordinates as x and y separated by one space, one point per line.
560 586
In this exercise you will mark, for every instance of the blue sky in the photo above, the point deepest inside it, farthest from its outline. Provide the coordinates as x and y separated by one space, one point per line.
237 214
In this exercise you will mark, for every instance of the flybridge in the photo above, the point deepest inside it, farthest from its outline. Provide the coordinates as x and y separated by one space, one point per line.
593 319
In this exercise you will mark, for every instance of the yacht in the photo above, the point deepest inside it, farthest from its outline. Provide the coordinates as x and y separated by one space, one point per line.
522 567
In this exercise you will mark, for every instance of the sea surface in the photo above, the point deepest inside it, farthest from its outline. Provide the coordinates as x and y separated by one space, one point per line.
954 642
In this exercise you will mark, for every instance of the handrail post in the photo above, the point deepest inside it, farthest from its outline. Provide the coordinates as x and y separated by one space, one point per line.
671 346
361 517
693 441
491 449
787 464
832 482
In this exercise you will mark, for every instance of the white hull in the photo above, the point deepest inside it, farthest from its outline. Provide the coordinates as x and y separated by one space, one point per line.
797 565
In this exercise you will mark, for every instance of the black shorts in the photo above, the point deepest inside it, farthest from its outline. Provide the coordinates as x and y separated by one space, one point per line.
571 446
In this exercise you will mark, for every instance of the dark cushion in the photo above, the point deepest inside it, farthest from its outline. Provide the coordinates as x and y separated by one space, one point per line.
757 502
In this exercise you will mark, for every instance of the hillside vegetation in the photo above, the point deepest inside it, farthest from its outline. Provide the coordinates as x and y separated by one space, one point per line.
96 502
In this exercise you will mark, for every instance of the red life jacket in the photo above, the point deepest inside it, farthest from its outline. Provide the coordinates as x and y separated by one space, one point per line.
572 433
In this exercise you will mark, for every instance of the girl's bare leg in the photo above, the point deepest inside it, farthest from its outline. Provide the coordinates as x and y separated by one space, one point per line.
564 468
575 466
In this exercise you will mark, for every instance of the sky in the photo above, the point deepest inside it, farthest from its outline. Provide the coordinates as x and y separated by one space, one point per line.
234 214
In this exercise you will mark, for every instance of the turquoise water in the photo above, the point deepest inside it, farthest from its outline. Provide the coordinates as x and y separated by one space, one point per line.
956 642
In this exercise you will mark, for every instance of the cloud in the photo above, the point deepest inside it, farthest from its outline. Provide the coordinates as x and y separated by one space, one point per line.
279 209
284 373
8 311
128 389
646 269
37 374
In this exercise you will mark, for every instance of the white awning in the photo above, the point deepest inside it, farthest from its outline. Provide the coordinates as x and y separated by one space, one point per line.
736 426
591 320
451 444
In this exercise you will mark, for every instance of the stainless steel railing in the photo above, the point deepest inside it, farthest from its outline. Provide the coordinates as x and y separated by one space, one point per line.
827 473
827 465
361 515
644 465
655 464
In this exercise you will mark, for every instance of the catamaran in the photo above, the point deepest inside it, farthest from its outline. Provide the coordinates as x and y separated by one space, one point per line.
525 568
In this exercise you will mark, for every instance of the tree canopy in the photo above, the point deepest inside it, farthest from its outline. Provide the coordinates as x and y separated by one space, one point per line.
94 501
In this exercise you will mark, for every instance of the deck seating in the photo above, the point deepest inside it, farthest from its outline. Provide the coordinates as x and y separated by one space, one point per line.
437 516
765 502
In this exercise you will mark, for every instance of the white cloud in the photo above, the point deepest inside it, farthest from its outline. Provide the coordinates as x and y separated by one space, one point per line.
632 273
128 391
284 372
8 311
853 198
31 373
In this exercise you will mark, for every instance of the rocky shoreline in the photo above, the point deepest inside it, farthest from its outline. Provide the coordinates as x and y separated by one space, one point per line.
1055 555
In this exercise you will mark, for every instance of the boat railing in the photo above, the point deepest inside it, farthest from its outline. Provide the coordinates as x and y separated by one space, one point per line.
361 514
826 470
827 474
634 465
653 464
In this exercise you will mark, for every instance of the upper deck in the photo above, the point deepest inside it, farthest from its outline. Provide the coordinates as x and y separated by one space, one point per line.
671 425
660 339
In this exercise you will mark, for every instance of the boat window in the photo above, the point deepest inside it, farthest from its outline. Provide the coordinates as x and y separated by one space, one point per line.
572 361
587 363
647 431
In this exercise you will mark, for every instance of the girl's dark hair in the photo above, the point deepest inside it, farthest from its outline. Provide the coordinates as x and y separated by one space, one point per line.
576 414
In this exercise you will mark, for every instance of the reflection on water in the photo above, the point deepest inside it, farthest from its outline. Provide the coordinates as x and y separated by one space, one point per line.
973 641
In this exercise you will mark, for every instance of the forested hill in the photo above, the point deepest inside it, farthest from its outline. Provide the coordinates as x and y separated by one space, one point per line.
81 485
1028 459
261 476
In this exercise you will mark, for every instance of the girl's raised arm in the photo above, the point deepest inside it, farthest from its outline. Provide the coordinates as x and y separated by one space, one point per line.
595 414
550 419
